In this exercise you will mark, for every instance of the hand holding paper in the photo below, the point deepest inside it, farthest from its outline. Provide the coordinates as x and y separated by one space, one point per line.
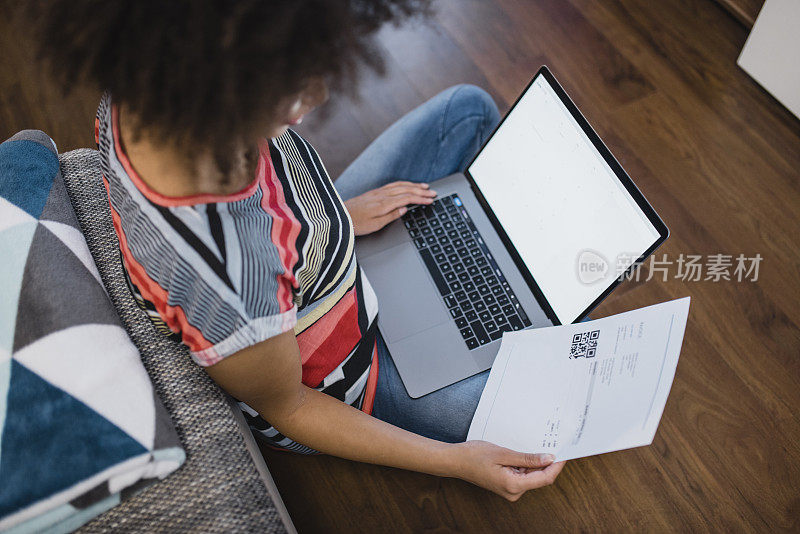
583 389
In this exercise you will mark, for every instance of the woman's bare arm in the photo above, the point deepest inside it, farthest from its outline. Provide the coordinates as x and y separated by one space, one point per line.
267 377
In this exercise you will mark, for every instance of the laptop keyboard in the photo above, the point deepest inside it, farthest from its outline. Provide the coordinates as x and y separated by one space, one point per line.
471 284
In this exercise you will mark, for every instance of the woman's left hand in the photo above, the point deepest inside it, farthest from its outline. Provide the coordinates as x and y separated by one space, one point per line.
376 208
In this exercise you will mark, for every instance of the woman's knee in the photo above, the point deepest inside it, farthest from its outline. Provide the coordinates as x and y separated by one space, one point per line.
465 101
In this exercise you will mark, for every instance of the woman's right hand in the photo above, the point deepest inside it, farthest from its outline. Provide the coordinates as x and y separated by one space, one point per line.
503 471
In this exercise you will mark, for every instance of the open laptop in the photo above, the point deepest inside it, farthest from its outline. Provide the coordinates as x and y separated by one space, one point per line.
536 232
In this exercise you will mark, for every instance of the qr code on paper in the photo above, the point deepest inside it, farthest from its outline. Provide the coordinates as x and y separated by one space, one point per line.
584 345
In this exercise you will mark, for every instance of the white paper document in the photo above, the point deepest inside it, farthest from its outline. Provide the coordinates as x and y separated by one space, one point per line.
583 389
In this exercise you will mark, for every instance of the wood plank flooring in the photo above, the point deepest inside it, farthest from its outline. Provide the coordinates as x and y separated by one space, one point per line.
745 11
718 158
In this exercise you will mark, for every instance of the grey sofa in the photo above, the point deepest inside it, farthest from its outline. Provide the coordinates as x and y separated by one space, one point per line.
224 485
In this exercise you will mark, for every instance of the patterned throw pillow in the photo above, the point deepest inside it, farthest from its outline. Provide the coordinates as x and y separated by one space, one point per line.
81 427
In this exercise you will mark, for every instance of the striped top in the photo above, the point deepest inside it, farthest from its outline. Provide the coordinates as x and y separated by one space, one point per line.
223 273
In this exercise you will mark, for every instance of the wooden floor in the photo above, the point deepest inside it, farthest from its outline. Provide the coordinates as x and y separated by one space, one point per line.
745 11
716 156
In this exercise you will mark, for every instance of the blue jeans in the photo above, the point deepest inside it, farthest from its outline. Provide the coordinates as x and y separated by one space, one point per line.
438 138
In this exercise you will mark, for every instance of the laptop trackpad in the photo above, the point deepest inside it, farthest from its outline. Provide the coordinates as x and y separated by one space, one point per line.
408 301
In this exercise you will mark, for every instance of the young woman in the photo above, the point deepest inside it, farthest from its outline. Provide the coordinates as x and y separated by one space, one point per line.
235 239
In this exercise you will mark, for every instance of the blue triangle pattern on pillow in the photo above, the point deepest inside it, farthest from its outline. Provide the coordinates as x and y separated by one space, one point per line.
52 440
39 166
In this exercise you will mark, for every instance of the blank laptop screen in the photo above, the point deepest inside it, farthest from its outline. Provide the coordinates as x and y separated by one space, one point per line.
562 206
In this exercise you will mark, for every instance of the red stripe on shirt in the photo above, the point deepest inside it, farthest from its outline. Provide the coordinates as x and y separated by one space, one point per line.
312 337
326 344
173 316
285 226
372 383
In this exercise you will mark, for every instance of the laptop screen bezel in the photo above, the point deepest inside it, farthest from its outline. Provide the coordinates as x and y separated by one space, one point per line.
619 172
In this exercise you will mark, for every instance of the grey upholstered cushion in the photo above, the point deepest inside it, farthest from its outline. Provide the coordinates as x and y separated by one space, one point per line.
218 489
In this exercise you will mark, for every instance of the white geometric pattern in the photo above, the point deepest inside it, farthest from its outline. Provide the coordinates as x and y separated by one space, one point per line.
17 238
87 362
12 215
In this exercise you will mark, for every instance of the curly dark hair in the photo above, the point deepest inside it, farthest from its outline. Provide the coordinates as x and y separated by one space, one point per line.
209 73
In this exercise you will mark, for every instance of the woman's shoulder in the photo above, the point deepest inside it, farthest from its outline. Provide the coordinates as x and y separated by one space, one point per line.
293 147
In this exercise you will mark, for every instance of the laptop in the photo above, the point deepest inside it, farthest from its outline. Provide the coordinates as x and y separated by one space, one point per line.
542 225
